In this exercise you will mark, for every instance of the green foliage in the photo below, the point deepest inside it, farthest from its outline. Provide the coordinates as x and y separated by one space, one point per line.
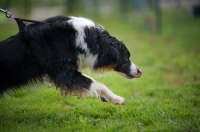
165 98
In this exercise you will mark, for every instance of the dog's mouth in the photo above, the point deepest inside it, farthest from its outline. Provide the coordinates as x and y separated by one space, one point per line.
132 75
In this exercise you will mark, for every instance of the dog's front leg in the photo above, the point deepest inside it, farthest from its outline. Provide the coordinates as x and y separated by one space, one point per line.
105 94
77 84
102 92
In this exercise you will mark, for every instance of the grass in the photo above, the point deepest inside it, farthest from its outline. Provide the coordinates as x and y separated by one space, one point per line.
165 98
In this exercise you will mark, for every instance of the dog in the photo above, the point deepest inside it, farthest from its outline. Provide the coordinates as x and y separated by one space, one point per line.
60 48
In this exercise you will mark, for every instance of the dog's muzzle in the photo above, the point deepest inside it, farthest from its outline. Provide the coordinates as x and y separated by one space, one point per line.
134 72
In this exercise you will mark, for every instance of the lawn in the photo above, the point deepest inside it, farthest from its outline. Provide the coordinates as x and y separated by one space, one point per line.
165 98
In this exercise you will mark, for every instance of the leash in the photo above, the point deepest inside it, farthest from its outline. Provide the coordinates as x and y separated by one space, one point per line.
20 22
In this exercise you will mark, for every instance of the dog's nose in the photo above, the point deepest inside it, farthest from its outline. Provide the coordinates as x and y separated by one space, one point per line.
139 70
139 73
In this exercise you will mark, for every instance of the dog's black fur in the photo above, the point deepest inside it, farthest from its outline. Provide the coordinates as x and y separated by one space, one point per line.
51 50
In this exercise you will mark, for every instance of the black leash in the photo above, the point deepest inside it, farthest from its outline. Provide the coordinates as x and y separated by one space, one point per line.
20 22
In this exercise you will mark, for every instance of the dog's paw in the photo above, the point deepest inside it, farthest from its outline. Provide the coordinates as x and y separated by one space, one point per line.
117 100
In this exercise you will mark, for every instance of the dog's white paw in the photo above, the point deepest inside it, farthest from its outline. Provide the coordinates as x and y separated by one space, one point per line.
117 100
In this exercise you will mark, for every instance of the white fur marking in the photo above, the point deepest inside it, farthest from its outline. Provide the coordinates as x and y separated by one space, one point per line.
79 24
133 69
101 91
87 60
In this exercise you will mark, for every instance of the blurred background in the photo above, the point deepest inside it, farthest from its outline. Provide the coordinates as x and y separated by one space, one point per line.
144 14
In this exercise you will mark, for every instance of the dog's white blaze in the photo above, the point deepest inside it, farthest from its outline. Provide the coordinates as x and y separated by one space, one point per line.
101 91
133 69
79 24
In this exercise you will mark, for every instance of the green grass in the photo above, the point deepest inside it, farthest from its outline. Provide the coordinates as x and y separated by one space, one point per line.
165 98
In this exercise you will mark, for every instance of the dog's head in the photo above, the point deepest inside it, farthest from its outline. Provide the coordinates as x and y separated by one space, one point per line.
114 55
124 66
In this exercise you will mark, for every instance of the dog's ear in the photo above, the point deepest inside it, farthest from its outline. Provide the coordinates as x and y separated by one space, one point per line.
108 57
113 55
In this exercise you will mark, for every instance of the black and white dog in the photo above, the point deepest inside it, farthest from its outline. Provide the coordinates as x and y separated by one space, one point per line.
60 49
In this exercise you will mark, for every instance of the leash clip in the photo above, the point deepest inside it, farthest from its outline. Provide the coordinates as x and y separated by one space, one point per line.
7 13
